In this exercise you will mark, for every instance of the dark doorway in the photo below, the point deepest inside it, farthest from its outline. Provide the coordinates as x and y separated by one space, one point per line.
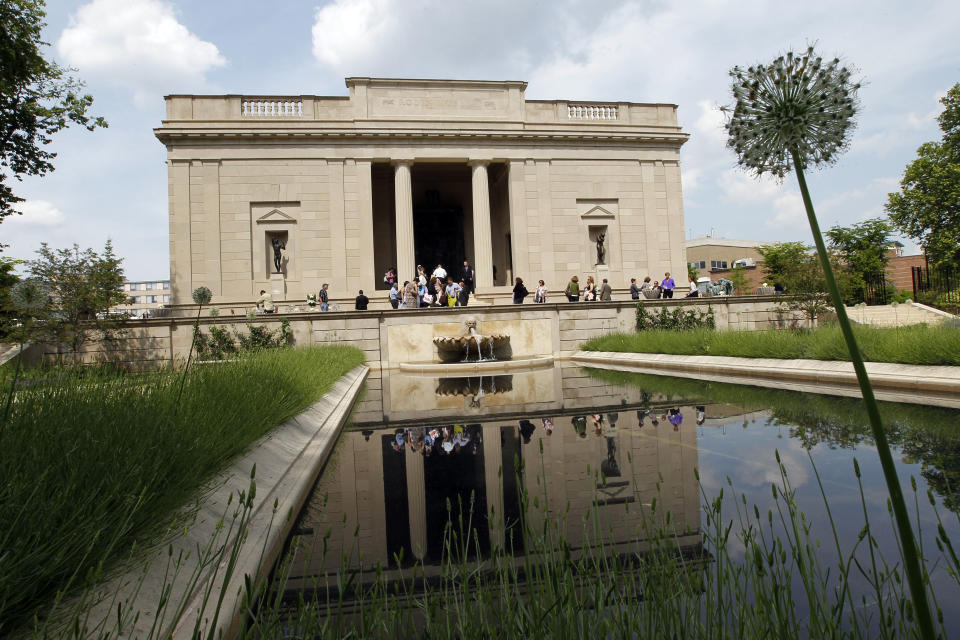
395 500
438 233
457 478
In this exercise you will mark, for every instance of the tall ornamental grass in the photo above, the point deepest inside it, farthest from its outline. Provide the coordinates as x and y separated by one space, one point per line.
91 463
918 344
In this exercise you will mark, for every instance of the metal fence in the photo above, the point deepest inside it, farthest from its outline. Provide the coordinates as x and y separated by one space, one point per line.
935 279
875 291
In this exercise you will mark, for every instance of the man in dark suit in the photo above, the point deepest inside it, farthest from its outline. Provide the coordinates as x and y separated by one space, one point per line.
466 274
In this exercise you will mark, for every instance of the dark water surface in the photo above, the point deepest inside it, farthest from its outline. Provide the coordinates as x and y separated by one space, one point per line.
424 450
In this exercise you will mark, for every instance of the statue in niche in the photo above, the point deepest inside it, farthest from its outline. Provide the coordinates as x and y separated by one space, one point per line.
278 246
601 251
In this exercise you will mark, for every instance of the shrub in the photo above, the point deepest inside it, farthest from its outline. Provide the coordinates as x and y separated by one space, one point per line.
224 343
676 320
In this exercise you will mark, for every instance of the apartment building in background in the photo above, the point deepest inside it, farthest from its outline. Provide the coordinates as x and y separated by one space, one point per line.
144 297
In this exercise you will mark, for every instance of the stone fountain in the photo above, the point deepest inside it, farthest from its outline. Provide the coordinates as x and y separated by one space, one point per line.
472 346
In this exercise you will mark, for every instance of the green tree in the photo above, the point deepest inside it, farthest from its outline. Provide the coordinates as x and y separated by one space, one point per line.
692 272
863 249
83 286
8 278
796 267
927 208
738 276
38 98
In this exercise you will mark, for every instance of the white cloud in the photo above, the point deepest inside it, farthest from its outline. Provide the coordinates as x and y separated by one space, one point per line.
139 44
348 30
36 213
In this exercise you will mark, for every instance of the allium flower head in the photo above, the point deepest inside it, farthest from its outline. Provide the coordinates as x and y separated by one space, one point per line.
30 296
798 104
202 295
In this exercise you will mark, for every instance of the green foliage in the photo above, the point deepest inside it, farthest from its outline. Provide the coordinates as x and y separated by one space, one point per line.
225 343
83 286
927 208
93 461
863 249
692 273
38 98
7 279
917 344
797 268
738 276
676 320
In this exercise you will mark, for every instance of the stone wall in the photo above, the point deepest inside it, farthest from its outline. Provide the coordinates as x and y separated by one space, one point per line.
389 338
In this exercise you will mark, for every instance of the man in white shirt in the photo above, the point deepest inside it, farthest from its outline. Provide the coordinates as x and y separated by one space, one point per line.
440 273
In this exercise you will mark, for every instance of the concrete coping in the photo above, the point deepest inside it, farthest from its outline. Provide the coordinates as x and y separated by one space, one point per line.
467 368
917 384
288 461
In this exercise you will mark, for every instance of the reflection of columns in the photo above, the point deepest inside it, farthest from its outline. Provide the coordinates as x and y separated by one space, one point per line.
482 243
493 479
417 501
403 192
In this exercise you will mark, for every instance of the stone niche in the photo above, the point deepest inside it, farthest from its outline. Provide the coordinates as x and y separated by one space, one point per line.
275 220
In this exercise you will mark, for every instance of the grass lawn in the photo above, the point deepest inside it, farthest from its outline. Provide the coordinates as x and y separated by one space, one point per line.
92 463
918 344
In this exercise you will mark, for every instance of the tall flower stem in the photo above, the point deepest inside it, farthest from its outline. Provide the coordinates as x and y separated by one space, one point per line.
911 554
13 385
193 340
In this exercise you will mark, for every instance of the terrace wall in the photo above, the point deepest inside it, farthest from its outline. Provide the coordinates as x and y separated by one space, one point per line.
389 337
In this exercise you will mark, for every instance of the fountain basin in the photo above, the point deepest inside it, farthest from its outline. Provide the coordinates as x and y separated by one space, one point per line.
472 348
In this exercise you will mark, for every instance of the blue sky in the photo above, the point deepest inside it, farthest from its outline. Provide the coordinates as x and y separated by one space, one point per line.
112 183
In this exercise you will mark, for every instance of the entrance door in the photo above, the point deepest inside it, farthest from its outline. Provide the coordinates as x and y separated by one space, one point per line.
438 235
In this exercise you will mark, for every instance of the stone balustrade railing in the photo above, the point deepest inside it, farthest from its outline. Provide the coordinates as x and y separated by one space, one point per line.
592 112
271 107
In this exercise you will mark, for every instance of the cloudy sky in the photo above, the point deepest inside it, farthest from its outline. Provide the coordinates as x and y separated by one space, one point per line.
112 183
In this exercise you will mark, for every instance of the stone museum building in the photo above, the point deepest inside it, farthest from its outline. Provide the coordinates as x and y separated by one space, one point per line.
404 172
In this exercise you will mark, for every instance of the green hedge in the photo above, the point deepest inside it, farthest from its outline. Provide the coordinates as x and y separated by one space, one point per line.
918 344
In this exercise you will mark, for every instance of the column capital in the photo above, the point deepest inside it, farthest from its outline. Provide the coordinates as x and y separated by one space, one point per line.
401 163
478 163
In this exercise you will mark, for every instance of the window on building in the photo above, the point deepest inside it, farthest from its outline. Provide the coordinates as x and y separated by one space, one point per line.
166 297
699 265
151 299
149 286
166 284
718 264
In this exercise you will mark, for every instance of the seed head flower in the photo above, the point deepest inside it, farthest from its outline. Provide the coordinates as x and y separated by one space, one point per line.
30 296
798 105
202 295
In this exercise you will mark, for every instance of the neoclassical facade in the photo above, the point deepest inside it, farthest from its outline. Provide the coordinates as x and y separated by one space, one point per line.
405 172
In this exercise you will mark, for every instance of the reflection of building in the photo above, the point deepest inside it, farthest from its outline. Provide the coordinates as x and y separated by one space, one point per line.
379 499
402 172
145 295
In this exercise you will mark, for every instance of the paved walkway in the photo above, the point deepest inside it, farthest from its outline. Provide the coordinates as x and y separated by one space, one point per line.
938 386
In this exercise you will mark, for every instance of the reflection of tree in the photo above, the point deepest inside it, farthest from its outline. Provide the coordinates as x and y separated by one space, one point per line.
925 435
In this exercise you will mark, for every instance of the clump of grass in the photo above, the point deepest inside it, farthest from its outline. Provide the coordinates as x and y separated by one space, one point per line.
92 462
918 344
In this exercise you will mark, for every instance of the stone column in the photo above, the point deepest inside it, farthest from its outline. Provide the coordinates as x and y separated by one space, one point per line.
482 242
403 192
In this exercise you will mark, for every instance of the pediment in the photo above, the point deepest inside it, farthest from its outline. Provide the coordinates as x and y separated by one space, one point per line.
598 212
598 208
276 216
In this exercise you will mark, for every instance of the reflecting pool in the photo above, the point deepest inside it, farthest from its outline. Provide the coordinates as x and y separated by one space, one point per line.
595 451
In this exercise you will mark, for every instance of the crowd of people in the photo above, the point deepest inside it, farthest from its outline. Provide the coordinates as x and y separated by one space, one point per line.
450 439
443 289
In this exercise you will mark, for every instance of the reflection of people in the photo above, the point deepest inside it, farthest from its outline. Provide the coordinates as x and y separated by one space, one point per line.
597 420
265 302
675 418
277 246
547 425
526 430
701 414
579 425
641 416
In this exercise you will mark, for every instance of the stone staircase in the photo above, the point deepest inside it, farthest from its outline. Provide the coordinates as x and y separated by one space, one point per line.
899 315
